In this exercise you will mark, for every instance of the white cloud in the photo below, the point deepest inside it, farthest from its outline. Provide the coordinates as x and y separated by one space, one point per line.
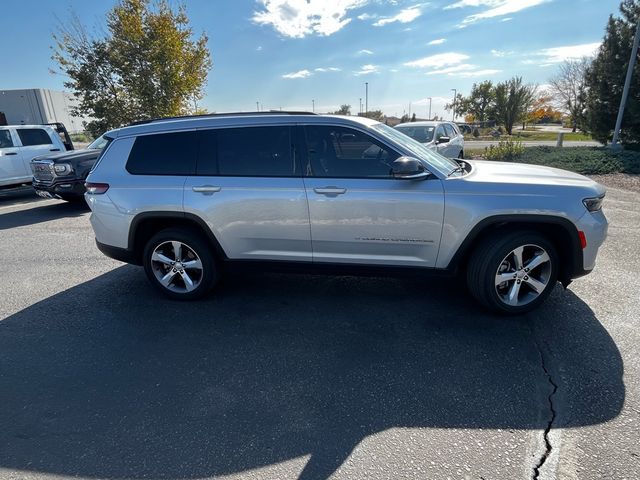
495 8
476 73
439 60
568 52
364 51
507 19
326 69
406 15
365 16
259 48
437 41
455 68
299 74
299 18
501 53
367 69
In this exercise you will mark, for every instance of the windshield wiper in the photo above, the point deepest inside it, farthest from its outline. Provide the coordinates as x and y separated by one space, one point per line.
459 168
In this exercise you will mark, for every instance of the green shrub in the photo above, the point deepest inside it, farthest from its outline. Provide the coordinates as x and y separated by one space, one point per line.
505 151
82 137
584 160
476 132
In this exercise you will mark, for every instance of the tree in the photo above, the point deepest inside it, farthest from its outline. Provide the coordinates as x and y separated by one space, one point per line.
605 77
513 99
404 118
568 86
343 110
146 65
479 103
542 111
374 114
413 118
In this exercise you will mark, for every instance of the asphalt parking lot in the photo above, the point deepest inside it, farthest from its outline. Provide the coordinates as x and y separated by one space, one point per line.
308 377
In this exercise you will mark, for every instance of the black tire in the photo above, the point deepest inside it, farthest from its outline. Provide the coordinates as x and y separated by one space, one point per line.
196 243
490 255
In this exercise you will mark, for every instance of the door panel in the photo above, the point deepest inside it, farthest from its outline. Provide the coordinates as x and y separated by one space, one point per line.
358 212
376 221
250 191
12 167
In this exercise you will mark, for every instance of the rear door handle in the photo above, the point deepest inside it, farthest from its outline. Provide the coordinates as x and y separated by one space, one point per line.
206 189
54 149
11 153
330 190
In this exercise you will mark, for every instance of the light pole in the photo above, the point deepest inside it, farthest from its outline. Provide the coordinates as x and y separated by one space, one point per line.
257 106
360 107
455 92
429 117
313 106
366 97
627 84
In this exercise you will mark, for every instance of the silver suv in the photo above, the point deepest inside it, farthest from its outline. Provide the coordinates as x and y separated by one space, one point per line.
443 137
190 197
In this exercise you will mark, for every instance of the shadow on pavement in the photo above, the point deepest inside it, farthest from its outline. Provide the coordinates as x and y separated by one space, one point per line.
108 380
43 213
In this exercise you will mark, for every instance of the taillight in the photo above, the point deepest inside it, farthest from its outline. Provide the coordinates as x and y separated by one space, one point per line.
583 239
96 188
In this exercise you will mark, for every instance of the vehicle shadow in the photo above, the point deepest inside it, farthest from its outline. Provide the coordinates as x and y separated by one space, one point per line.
108 380
12 195
42 213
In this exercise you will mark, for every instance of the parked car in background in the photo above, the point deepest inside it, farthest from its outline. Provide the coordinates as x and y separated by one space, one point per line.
443 137
19 144
188 198
62 175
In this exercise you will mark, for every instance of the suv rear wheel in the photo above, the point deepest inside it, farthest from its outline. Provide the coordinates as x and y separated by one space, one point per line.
513 273
180 264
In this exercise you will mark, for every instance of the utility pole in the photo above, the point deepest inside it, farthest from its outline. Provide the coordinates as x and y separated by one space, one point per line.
360 107
257 106
429 117
313 106
627 84
366 97
455 92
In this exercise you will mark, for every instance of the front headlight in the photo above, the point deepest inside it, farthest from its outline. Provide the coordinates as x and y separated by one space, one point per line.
62 168
593 204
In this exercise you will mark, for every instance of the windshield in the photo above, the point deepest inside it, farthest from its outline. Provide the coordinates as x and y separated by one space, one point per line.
422 134
98 144
417 149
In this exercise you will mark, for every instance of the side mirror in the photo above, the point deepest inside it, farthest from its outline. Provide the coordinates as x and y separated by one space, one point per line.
440 140
408 168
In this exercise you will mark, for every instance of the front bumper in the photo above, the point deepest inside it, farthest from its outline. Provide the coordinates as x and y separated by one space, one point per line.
60 187
595 227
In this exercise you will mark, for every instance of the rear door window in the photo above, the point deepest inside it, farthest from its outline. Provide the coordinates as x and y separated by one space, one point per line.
5 139
164 154
34 136
247 152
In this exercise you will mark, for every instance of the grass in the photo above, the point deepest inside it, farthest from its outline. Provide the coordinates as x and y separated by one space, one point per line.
536 135
584 160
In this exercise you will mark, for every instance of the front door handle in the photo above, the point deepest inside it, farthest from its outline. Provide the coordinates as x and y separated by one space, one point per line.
207 189
330 190
11 153
54 149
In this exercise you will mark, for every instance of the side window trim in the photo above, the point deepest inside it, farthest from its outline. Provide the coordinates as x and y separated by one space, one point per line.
376 140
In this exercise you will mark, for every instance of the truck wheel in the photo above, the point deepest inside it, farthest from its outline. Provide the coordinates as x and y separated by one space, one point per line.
513 273
180 264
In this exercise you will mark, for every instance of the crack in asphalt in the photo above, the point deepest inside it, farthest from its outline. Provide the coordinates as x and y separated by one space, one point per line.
548 447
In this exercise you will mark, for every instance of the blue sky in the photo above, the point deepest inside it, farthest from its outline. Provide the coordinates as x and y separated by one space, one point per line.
286 53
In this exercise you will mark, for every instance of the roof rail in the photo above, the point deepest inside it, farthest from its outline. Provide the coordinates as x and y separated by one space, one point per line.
229 114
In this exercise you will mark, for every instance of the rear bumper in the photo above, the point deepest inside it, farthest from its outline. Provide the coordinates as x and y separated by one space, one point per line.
117 253
60 187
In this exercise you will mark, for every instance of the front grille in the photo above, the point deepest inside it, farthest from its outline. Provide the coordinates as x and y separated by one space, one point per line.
42 171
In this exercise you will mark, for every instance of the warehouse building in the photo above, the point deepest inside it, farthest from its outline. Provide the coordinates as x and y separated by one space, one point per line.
37 106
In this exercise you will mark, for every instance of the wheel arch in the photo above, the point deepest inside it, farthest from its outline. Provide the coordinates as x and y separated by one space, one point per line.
560 231
145 225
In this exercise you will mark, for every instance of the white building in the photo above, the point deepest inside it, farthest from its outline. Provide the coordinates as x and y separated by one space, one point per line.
36 106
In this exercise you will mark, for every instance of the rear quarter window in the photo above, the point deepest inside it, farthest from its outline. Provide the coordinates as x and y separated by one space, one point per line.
164 154
34 136
5 139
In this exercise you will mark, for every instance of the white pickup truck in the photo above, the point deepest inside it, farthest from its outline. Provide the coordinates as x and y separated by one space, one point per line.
19 144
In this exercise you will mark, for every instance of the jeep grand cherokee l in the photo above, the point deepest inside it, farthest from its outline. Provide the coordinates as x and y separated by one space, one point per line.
188 197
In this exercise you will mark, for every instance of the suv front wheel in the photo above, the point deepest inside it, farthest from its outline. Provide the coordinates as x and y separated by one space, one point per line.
513 273
180 264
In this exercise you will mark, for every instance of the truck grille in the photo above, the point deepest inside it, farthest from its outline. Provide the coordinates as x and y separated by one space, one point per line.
42 171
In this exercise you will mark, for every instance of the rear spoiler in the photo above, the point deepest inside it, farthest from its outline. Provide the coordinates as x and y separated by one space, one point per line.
61 130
